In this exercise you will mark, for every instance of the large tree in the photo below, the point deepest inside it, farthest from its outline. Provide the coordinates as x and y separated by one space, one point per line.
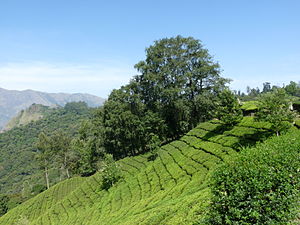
176 89
175 75
44 155
86 148
60 145
128 126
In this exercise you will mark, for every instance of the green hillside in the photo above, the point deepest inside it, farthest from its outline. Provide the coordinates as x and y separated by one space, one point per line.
33 113
18 168
172 189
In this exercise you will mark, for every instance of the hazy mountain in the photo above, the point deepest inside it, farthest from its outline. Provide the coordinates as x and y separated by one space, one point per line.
12 102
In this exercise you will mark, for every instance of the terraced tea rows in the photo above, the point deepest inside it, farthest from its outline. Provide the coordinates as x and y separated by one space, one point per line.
172 189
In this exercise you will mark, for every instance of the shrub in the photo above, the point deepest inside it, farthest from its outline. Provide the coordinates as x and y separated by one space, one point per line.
38 188
260 185
111 173
228 108
3 204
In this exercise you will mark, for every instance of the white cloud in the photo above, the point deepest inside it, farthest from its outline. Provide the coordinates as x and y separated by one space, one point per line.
93 78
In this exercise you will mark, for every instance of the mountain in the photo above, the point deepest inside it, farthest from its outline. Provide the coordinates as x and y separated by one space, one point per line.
171 189
12 102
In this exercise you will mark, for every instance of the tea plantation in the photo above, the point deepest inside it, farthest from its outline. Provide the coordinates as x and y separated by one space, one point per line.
171 189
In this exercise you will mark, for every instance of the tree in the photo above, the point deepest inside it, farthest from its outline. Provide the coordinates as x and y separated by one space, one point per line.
77 107
266 87
175 72
228 108
293 89
175 90
86 150
60 146
128 125
254 92
274 107
44 155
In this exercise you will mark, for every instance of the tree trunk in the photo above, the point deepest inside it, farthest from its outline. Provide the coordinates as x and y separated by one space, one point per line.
61 173
68 175
277 133
47 177
66 167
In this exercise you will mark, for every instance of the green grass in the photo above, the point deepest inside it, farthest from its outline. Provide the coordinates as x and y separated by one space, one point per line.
172 189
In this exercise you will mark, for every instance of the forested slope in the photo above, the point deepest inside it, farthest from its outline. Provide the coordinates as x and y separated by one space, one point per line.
33 113
172 189
18 167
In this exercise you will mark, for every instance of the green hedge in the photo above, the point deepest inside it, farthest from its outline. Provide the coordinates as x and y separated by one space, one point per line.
259 186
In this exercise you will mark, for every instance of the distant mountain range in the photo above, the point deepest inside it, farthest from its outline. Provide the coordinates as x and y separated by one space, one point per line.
12 102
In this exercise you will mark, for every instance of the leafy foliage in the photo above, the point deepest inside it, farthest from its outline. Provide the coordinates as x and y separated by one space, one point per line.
45 155
274 107
60 145
259 186
3 204
228 109
18 148
86 150
293 89
111 173
175 90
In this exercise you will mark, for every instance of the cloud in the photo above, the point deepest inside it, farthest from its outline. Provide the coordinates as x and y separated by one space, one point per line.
93 78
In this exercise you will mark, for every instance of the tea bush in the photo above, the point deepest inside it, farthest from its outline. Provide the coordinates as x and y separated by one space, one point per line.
259 186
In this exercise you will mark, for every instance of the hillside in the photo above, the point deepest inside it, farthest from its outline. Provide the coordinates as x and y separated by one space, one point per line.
33 113
18 168
172 189
12 102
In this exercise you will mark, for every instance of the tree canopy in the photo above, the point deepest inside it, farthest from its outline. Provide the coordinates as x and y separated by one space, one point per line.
176 89
275 107
228 108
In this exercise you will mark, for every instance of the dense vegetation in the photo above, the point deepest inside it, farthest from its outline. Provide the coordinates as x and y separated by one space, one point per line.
176 89
172 189
163 166
19 171
259 186
274 107
33 113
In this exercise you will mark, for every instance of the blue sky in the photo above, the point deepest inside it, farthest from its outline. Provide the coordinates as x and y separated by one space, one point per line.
91 46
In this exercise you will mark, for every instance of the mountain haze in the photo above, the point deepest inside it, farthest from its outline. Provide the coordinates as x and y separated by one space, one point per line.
12 101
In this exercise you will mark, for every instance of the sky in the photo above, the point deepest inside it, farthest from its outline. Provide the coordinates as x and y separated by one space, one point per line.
91 46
